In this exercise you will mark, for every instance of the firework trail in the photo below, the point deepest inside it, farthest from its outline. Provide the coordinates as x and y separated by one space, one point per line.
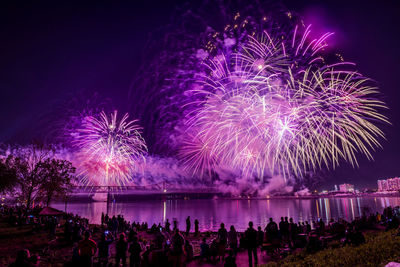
109 150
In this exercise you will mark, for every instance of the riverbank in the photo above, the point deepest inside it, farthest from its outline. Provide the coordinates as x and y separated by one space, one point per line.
51 240
380 248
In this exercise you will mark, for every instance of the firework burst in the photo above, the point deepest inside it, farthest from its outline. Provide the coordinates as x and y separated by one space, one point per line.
109 150
274 106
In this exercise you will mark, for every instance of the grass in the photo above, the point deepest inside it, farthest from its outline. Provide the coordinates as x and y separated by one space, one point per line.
379 249
14 238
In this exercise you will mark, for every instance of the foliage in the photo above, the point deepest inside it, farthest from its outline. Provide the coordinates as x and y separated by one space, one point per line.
26 162
58 175
379 249
39 175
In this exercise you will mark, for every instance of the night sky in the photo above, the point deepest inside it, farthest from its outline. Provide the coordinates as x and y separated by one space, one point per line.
50 50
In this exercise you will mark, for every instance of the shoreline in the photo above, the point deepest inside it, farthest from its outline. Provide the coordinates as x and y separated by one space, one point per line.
163 197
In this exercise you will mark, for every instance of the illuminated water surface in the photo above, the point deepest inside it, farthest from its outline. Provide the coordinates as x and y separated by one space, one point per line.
211 212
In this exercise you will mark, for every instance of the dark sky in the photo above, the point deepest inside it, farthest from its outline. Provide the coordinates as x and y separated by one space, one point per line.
51 49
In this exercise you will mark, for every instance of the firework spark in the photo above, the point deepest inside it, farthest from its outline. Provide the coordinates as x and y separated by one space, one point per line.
275 106
109 150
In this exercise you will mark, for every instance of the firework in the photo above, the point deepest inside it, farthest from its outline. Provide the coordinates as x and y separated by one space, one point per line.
254 96
109 150
274 106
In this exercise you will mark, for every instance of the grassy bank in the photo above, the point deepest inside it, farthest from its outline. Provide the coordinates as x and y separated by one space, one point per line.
379 249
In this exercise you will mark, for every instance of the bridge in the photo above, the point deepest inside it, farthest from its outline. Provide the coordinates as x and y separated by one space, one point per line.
134 191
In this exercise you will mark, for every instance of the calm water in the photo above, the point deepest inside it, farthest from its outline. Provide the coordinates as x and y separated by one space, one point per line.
211 213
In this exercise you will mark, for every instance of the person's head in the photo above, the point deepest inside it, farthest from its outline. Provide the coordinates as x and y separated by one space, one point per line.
122 237
286 218
291 220
271 220
103 237
222 225
167 220
259 228
204 240
251 224
177 231
232 228
87 234
282 219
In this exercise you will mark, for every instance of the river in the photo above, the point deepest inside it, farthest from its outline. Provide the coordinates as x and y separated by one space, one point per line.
211 212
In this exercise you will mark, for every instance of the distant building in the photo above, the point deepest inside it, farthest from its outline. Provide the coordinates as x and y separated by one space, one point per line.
346 188
380 185
391 184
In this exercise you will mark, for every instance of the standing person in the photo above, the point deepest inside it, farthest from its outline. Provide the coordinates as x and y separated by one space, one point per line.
187 225
188 251
106 219
223 240
102 218
135 250
114 225
196 227
177 248
282 227
87 249
272 230
232 239
292 232
286 228
308 227
204 250
103 246
121 247
167 226
251 240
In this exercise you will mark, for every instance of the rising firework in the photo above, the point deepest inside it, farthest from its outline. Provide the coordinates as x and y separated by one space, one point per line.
109 150
274 106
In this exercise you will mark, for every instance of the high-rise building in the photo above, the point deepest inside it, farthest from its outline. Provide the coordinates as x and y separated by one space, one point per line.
346 188
391 184
380 185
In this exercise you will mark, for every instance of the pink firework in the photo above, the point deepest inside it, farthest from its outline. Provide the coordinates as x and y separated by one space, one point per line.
109 150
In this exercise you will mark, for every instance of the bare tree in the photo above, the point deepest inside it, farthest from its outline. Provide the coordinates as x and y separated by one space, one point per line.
8 176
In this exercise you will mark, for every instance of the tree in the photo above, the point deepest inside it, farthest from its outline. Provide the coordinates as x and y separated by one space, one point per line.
58 175
27 163
8 176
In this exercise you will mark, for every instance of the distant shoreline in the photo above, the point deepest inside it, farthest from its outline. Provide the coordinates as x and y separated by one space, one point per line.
217 196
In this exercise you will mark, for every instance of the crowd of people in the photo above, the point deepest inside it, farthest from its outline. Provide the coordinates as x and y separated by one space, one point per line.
137 244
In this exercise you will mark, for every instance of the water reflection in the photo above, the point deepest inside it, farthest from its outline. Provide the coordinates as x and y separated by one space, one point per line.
211 212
